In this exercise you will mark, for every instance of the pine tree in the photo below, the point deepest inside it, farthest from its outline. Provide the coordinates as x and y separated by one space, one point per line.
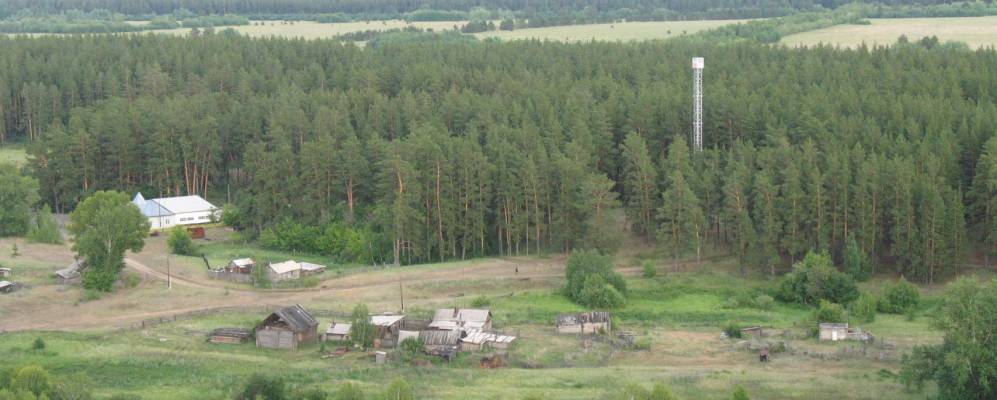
682 225
640 188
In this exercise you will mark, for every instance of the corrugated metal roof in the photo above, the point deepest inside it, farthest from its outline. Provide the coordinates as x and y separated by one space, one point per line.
243 262
285 267
340 328
296 318
479 337
385 320
307 266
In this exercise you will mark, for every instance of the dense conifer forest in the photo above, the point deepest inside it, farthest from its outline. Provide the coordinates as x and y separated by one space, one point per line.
448 151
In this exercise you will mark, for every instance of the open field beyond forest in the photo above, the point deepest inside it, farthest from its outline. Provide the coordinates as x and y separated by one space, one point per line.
13 155
625 31
315 30
974 31
679 314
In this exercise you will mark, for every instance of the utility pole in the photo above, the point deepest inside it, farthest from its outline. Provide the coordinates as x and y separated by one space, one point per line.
169 279
401 293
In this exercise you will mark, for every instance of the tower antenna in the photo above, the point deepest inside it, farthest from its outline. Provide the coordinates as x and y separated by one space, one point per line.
697 103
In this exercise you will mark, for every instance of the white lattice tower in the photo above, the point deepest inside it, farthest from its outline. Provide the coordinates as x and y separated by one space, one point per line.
697 103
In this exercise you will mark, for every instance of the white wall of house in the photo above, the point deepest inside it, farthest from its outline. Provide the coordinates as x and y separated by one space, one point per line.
170 221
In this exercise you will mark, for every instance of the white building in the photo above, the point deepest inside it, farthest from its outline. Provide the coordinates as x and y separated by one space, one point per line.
172 211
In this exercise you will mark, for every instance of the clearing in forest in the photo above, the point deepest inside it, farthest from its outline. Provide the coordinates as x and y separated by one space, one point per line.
975 31
625 31
13 155
316 30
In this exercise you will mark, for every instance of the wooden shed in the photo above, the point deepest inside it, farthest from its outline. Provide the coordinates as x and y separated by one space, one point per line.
230 335
6 272
7 287
461 318
338 331
387 326
72 273
287 328
241 266
478 340
441 343
752 332
833 332
308 268
284 271
584 323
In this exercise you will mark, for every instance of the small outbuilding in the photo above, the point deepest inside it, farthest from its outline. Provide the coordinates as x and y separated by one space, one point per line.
287 328
284 271
6 272
308 268
196 232
833 331
461 319
444 343
338 331
478 340
230 335
72 273
752 332
241 266
7 287
387 326
584 323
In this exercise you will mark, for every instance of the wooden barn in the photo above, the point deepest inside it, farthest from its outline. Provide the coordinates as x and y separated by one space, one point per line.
287 328
241 266
584 323
230 335
387 327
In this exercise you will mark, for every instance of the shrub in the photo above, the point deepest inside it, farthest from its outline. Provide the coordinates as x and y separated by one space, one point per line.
399 389
349 391
597 293
856 262
814 279
864 309
310 394
586 263
180 242
826 312
38 344
362 332
642 344
649 270
733 330
45 229
412 346
740 394
899 298
130 280
764 302
263 387
32 378
481 302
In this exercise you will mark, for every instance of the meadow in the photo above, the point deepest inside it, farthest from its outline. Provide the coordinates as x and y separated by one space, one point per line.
676 316
975 31
625 31
13 154
316 30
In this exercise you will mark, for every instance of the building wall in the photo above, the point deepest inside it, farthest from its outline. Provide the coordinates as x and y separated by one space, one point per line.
828 334
167 222
275 277
272 338
576 328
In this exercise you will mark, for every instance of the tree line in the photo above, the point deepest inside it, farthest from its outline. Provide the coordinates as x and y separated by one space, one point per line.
463 149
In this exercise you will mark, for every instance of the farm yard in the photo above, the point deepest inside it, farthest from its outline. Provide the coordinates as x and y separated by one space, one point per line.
974 31
150 340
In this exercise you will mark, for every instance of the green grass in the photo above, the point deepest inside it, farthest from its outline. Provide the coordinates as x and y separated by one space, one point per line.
13 154
974 31
624 31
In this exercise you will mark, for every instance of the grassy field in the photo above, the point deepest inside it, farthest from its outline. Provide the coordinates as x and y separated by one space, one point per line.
974 31
610 32
678 315
315 30
13 154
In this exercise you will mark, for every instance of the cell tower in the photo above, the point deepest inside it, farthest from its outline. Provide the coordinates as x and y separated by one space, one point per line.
697 103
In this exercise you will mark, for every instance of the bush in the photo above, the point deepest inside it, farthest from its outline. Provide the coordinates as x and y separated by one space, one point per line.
45 229
130 280
263 387
481 302
649 270
362 332
32 378
642 344
899 298
814 279
38 344
180 242
827 312
740 394
412 346
587 263
597 293
864 309
399 389
856 262
733 330
349 391
764 302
